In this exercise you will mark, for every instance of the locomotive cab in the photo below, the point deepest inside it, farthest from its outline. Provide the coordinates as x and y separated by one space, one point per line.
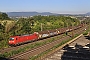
12 40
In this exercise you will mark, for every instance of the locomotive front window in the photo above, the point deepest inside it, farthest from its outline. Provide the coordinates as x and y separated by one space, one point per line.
11 38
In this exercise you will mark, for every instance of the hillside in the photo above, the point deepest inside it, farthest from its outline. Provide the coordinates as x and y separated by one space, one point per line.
26 14
19 14
87 13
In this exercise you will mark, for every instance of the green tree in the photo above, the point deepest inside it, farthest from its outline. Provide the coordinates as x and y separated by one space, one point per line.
4 16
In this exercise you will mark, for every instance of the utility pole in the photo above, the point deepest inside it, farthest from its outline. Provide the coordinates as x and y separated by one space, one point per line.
41 27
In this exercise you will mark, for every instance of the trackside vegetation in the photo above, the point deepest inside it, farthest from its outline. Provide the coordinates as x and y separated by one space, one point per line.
51 49
10 27
30 46
22 26
87 31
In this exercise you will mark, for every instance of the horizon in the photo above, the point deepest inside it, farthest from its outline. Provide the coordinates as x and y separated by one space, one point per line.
48 12
54 6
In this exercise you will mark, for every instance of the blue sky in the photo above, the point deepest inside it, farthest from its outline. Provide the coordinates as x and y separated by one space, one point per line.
55 6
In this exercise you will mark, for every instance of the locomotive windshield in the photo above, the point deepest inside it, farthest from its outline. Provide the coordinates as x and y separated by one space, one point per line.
11 38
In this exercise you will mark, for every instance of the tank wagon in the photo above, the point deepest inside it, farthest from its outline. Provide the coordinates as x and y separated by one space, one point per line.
15 40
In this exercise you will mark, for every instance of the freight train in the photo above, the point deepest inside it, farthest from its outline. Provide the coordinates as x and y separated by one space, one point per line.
16 40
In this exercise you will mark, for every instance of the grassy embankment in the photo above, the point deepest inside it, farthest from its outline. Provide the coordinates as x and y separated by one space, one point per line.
56 46
30 46
51 49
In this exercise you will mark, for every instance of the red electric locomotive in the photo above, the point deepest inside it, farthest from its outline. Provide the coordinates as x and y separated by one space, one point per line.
15 40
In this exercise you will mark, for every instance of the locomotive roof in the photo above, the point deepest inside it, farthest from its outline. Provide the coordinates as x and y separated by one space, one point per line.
27 35
21 35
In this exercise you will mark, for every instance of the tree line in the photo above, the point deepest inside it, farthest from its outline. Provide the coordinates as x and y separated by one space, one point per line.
4 16
33 24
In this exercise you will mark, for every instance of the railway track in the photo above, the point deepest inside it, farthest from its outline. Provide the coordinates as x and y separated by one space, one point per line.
77 50
3 50
38 50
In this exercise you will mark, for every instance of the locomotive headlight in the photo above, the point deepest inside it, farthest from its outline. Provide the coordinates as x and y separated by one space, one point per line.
9 41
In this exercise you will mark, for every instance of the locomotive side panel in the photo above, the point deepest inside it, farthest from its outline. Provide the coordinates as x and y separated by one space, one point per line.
28 38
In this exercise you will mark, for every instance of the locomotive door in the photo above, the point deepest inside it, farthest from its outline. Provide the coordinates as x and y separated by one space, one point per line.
16 40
